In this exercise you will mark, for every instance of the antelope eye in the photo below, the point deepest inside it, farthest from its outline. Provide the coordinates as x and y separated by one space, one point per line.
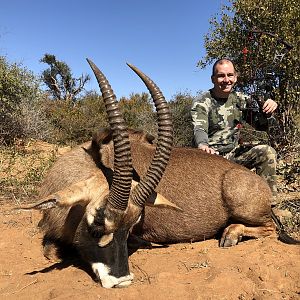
96 230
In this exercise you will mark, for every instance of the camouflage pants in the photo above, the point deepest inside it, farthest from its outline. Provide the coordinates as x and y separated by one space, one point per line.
262 158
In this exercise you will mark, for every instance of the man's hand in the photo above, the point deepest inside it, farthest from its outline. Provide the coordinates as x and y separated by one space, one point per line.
207 149
269 106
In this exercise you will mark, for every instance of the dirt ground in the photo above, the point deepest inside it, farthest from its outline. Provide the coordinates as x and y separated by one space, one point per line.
254 269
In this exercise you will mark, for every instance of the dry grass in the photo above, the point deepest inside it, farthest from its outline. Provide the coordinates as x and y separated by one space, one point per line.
22 167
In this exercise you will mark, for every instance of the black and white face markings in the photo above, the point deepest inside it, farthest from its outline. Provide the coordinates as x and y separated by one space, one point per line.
107 253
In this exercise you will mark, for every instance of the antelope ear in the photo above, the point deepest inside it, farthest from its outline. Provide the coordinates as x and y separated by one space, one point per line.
103 136
149 138
159 200
43 204
79 193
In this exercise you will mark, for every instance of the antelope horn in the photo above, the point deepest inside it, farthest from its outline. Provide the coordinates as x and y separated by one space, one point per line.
121 184
165 140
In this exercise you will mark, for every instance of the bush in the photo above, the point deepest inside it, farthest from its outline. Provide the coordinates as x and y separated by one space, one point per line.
76 123
138 112
180 107
21 112
28 113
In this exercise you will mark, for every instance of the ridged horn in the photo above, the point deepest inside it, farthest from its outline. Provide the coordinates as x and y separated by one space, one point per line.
121 183
163 149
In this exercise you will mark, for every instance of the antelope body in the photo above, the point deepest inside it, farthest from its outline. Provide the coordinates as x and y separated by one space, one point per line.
211 192
93 207
90 201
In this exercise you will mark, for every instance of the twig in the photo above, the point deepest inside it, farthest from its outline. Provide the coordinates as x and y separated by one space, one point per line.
24 287
270 291
185 266
16 200
143 272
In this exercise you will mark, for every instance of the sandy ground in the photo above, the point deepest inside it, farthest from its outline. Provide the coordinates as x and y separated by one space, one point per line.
254 269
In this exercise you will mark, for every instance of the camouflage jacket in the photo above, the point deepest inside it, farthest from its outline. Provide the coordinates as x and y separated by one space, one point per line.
217 121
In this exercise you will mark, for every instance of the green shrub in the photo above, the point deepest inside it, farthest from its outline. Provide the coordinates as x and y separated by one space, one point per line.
180 107
76 122
138 112
21 115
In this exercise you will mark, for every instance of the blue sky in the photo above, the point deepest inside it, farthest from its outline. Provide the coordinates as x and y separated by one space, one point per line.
164 38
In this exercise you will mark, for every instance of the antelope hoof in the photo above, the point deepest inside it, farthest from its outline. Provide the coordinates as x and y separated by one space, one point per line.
228 241
232 235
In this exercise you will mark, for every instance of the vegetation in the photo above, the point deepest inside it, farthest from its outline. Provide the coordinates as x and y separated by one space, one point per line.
253 33
76 123
138 112
21 114
22 167
182 121
60 81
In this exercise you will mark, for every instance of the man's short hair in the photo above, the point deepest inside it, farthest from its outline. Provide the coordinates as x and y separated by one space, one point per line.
220 62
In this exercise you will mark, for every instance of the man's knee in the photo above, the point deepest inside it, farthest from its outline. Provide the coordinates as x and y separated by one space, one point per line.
265 153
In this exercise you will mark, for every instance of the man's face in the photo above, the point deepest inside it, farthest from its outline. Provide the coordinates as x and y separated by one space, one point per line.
224 79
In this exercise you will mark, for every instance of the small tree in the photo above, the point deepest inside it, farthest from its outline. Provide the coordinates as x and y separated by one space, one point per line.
60 81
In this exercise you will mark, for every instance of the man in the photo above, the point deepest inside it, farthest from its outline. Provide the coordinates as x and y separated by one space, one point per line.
217 118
